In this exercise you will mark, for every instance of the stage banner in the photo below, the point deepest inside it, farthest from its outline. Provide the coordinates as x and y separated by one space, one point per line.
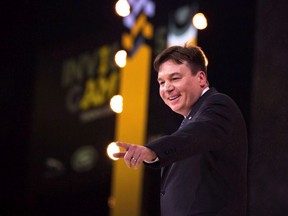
72 126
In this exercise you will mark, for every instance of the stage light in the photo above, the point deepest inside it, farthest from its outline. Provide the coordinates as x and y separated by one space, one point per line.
199 21
111 149
122 8
120 58
116 103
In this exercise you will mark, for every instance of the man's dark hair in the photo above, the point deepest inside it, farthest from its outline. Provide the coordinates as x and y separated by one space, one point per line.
193 55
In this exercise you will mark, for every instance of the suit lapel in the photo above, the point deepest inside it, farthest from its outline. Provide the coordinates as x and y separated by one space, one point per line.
166 170
199 103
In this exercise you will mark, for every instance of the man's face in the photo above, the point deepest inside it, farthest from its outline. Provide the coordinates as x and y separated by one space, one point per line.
178 88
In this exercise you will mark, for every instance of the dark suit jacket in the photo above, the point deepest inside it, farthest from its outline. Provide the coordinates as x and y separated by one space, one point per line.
204 163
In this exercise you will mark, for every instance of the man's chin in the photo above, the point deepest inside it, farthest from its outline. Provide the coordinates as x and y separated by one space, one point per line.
174 109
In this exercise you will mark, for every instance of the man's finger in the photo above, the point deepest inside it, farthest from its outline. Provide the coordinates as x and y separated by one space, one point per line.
119 154
138 163
123 145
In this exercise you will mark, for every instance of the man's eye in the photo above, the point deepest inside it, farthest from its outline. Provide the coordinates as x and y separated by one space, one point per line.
161 83
175 78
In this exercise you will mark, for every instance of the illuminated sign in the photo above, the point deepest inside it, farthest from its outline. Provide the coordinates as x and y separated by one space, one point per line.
139 25
90 80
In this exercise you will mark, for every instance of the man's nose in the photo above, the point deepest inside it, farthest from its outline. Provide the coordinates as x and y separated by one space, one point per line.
168 86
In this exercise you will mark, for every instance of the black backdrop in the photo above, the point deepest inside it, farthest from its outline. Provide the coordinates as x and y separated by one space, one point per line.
246 43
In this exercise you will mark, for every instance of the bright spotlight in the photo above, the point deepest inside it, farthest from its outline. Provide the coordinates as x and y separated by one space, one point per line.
122 8
116 103
111 149
199 21
120 58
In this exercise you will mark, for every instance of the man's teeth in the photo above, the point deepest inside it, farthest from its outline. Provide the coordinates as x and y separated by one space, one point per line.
172 98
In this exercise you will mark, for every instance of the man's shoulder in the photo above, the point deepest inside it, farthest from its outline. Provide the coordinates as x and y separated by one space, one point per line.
213 94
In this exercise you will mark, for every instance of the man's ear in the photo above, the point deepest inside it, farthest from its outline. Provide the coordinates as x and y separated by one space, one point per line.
202 78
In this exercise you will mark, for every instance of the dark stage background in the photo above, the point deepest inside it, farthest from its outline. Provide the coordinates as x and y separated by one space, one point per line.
45 144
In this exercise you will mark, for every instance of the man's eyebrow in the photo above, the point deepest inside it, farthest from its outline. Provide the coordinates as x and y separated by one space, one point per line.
174 73
159 79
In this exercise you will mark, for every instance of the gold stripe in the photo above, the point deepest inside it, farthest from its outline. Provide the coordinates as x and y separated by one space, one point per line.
131 128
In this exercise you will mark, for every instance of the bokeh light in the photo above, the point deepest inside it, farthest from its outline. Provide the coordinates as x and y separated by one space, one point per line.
116 103
122 8
111 149
120 58
199 21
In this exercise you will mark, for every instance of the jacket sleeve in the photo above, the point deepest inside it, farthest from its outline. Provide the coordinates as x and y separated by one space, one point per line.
209 129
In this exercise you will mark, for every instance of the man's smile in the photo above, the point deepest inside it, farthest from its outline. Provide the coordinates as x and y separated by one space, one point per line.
173 97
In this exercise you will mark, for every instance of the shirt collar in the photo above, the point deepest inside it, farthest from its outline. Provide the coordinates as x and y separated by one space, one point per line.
205 90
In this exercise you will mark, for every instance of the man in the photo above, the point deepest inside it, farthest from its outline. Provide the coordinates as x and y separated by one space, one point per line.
204 163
